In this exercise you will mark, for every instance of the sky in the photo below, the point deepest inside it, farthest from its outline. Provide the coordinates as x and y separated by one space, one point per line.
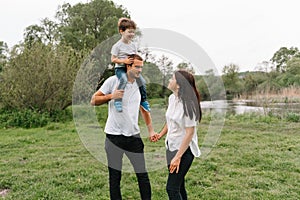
241 32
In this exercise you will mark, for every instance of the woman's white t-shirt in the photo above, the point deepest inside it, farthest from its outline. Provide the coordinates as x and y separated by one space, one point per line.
176 123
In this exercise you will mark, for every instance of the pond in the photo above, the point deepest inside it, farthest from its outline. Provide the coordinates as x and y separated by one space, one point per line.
247 106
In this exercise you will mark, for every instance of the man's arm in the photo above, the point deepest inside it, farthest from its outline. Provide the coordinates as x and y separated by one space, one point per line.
147 118
99 98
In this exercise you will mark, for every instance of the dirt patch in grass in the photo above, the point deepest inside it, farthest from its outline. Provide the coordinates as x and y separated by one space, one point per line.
3 192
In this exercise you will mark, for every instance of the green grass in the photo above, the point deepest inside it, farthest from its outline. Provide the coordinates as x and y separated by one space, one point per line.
255 158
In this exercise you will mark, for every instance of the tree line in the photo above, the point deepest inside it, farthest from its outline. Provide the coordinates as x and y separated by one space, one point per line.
280 72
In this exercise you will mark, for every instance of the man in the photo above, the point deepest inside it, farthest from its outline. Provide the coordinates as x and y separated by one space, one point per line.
122 130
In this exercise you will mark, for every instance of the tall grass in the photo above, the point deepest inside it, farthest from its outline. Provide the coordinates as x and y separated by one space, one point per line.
284 95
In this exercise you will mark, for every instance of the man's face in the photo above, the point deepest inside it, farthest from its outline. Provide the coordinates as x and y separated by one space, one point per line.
136 69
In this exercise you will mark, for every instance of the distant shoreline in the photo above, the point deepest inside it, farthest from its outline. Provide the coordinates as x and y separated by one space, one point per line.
286 95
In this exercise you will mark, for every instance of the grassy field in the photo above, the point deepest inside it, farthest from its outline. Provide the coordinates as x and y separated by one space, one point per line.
255 158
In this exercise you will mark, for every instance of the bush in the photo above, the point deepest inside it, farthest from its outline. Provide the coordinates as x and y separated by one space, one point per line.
31 118
293 117
40 77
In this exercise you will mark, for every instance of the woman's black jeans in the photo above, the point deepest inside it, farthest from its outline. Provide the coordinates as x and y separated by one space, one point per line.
175 184
118 145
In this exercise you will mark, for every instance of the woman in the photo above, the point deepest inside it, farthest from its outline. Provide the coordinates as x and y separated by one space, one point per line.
182 117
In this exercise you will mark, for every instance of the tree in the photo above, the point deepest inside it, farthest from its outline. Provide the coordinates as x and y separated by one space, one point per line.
252 80
186 66
265 66
270 84
153 77
3 54
46 33
292 75
165 65
231 80
293 66
87 25
210 86
82 26
282 56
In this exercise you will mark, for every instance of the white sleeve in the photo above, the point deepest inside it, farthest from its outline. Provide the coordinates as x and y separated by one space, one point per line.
115 50
189 122
108 85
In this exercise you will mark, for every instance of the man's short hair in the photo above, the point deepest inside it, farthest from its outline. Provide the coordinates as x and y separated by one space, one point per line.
136 56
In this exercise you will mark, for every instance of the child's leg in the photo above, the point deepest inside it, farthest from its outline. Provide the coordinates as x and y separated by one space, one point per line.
121 74
142 87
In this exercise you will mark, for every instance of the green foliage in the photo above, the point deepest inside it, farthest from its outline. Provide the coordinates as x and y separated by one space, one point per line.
102 113
293 66
285 75
40 77
210 86
270 82
252 80
155 81
94 70
46 32
292 75
282 56
293 117
3 54
31 118
25 119
42 70
81 26
232 82
85 25
165 65
186 66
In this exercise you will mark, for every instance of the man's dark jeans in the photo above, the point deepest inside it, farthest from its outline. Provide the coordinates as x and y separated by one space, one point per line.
133 147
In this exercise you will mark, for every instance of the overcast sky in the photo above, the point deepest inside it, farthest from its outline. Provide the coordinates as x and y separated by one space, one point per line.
230 31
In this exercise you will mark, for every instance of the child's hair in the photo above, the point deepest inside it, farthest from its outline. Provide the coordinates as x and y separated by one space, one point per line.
125 23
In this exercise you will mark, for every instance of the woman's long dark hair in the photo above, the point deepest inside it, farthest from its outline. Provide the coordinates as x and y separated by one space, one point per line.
188 94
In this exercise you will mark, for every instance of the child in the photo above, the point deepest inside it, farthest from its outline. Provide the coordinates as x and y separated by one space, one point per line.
121 51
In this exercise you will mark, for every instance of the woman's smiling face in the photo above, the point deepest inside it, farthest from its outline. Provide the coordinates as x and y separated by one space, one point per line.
173 86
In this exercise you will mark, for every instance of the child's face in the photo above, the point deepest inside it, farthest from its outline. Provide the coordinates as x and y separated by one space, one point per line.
128 34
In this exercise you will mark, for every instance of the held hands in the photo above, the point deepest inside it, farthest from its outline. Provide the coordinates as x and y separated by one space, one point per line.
155 137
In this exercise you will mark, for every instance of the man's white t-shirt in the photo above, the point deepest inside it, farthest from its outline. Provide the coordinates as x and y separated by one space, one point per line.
176 123
125 122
